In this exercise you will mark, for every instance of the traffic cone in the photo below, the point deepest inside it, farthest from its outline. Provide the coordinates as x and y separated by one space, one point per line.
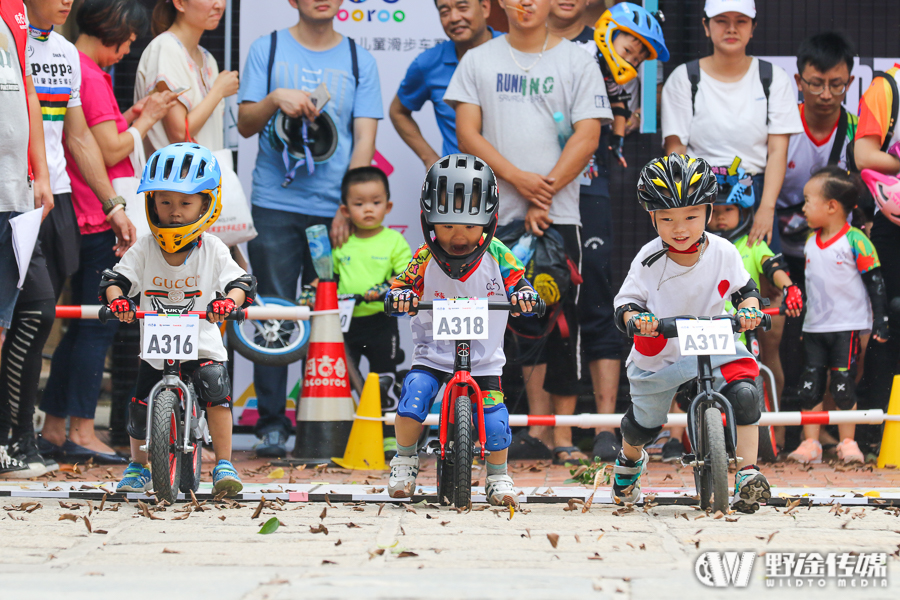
325 412
365 450
890 439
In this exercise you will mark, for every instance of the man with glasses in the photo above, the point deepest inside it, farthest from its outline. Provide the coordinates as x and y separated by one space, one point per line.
824 63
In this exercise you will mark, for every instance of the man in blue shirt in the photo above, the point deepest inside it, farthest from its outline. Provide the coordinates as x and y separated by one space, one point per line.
465 23
281 79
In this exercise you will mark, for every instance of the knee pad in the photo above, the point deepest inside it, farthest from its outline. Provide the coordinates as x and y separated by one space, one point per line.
417 395
744 398
212 384
496 428
137 419
843 389
635 434
809 389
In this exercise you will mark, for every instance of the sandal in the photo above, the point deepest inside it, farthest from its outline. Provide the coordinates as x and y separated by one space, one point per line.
527 447
571 451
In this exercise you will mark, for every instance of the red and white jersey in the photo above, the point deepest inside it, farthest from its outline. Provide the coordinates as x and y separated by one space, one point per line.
668 289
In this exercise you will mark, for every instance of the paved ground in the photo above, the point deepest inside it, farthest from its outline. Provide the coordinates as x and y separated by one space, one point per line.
396 551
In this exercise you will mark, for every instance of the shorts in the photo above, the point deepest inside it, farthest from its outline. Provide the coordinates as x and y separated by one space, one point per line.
835 351
148 377
61 241
561 353
9 271
652 391
378 339
600 338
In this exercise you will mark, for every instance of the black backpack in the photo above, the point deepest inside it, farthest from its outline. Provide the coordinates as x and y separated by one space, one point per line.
765 77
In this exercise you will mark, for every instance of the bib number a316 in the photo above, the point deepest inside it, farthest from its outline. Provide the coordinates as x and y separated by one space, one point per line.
171 337
705 337
463 319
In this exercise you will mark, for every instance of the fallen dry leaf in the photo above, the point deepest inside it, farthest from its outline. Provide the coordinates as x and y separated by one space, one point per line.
67 517
596 556
406 554
323 514
319 529
554 539
167 551
87 524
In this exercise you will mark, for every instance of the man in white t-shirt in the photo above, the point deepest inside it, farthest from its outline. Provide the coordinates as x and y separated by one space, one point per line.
505 93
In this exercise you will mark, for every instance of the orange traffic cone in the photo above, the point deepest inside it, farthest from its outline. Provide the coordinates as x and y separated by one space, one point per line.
365 449
325 412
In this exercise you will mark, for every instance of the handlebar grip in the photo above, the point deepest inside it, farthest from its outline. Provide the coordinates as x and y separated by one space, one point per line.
106 314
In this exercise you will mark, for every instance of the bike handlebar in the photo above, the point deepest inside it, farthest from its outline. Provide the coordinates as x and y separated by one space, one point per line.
106 314
668 329
540 307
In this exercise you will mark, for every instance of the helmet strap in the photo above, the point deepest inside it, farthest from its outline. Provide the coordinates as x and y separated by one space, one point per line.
307 152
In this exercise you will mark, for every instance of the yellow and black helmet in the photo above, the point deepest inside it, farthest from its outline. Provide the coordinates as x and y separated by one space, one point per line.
676 181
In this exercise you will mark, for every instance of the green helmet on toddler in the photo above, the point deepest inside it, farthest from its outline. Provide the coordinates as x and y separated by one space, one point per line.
637 21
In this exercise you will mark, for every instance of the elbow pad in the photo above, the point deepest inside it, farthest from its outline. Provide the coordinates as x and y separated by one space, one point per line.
620 312
874 283
109 278
745 293
247 284
774 264
621 111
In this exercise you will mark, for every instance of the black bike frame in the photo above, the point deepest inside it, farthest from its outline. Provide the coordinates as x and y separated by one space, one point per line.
706 398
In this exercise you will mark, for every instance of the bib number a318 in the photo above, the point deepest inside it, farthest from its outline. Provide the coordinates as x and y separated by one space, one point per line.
170 337
705 337
463 319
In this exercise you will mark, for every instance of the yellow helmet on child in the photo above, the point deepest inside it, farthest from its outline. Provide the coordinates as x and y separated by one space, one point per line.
187 168
640 23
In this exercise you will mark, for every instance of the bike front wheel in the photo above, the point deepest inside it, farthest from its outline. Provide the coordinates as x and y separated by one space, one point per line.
716 458
166 441
463 454
192 464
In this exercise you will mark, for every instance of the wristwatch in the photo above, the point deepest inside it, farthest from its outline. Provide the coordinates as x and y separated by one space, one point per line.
110 204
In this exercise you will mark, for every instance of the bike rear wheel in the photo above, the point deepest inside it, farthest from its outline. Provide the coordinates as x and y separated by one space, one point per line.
166 439
192 464
463 454
717 458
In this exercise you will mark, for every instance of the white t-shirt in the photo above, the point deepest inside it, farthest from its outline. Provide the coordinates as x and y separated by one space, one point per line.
56 72
192 285
517 111
16 194
700 291
806 155
837 297
166 60
729 118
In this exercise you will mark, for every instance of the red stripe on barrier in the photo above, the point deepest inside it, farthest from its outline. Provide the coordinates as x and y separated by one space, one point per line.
814 418
68 312
538 420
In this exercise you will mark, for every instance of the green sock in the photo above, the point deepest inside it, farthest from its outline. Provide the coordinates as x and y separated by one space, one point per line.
406 450
493 469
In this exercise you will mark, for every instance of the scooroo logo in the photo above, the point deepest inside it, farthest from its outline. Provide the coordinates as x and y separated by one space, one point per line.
382 15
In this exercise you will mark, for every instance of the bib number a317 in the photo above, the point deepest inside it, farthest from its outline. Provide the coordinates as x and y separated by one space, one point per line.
463 319
171 337
705 337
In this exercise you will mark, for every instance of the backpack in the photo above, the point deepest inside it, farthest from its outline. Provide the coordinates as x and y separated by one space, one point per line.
765 77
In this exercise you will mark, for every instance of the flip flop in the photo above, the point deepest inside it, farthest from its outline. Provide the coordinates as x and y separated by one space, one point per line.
570 450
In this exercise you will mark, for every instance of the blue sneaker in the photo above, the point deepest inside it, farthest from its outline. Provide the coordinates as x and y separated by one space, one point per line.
226 478
135 479
627 478
750 486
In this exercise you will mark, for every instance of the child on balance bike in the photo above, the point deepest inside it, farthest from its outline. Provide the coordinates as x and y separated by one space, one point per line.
460 258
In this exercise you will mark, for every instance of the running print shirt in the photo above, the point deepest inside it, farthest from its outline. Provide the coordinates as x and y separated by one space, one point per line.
191 286
668 289
56 72
495 278
836 296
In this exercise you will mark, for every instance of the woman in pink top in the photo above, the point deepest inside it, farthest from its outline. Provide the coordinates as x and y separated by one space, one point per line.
107 29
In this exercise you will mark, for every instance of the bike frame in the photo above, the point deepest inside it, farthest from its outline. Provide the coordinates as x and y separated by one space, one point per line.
171 380
708 397
458 385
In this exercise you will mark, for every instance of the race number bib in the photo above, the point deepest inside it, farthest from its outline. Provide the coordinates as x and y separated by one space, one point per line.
172 337
704 337
463 319
345 310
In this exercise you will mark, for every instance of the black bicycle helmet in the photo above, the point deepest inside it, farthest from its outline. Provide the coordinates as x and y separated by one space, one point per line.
459 189
676 181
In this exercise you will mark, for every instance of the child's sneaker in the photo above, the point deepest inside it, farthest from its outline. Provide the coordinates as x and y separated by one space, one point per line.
500 491
750 486
849 452
404 470
809 452
627 478
135 479
226 478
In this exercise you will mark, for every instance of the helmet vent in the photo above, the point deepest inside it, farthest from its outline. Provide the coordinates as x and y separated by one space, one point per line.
201 170
460 162
153 164
442 195
479 165
459 198
475 206
186 166
445 163
167 168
